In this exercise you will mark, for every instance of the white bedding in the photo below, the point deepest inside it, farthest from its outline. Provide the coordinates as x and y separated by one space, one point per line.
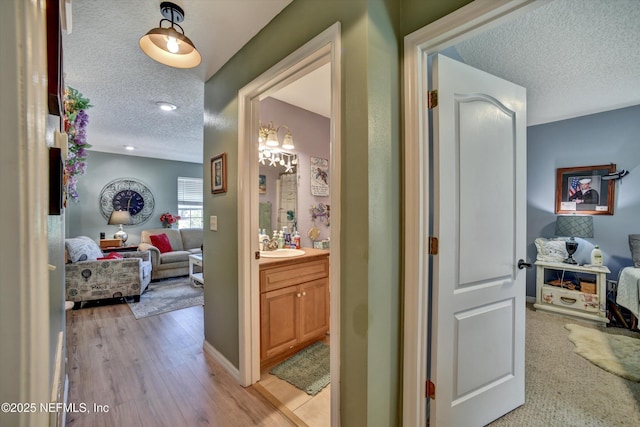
629 290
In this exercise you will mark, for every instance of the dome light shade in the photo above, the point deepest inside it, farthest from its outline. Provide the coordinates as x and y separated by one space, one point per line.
167 45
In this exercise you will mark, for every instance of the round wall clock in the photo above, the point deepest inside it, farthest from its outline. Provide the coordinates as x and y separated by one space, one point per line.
127 194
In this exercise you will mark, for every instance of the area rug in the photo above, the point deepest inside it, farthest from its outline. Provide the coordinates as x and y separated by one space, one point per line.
167 295
307 370
617 354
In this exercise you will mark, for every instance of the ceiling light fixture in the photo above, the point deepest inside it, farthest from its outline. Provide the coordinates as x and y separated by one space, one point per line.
166 106
129 147
167 45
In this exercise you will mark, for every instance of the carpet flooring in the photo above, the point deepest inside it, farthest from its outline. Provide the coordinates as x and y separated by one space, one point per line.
167 295
564 389
307 370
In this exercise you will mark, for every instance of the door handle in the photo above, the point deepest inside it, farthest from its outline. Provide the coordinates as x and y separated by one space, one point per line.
522 264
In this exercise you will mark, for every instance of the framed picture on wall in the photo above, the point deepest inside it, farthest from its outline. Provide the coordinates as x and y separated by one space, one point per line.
262 184
219 174
583 190
319 177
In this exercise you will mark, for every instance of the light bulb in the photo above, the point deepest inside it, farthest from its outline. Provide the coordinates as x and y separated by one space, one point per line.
172 45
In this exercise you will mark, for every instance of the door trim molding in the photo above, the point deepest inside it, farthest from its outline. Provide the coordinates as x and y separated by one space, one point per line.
322 49
460 25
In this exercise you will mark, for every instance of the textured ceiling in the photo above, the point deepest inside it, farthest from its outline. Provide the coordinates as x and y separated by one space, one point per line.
102 59
575 57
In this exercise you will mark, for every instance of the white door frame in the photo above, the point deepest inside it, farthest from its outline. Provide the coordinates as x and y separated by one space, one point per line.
24 180
460 25
322 49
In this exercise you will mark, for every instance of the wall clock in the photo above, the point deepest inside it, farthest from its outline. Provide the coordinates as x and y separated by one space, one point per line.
127 194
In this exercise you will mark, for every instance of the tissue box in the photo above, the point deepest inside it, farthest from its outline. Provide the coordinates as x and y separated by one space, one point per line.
321 244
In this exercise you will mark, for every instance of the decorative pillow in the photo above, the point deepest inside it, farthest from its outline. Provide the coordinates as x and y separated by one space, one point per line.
112 255
161 241
551 250
634 245
82 248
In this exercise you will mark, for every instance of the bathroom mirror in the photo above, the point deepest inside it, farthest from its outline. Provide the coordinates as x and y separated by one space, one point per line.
278 188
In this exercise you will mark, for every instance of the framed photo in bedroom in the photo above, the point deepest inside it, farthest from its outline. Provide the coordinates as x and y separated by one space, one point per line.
582 190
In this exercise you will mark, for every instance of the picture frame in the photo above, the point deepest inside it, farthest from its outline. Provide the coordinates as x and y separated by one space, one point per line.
582 190
262 184
219 174
319 176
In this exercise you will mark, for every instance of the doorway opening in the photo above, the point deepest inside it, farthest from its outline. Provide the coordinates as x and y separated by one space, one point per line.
321 51
436 37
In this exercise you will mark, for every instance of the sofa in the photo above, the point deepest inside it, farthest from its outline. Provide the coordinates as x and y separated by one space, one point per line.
91 275
171 261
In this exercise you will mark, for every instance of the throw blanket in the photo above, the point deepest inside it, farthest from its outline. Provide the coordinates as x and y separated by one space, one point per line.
629 290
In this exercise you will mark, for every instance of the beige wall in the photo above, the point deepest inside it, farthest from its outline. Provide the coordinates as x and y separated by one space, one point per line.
370 195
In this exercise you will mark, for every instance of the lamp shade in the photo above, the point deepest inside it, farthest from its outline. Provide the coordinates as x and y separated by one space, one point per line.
167 45
157 45
574 226
120 218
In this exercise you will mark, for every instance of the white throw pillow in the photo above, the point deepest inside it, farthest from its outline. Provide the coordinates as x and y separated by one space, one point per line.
551 250
82 248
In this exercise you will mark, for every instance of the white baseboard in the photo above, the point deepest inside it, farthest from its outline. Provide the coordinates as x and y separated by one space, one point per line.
531 299
218 357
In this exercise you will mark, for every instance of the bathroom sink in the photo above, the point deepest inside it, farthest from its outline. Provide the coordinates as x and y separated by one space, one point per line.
282 253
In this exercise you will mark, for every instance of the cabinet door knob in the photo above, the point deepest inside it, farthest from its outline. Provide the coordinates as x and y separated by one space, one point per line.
299 295
304 293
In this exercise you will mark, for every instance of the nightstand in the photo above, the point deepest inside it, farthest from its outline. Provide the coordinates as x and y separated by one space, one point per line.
556 292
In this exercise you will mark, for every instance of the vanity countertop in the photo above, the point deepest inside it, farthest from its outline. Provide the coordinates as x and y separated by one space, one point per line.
310 254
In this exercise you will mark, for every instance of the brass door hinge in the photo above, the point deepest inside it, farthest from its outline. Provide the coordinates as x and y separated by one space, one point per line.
432 99
433 245
430 390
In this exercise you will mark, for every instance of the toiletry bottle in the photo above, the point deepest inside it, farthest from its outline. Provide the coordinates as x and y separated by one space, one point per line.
281 240
287 236
596 256
296 239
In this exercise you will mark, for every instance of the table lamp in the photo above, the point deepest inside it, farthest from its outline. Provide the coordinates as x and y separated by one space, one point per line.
573 226
120 218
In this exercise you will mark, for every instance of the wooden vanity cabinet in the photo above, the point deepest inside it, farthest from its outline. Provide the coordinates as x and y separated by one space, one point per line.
294 305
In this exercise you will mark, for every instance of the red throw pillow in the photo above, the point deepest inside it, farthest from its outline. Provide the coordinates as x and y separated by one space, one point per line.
161 241
112 255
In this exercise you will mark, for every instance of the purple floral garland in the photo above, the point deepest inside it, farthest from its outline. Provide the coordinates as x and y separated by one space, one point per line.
76 120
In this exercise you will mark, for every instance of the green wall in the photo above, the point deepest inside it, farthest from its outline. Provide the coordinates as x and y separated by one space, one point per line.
371 202
83 218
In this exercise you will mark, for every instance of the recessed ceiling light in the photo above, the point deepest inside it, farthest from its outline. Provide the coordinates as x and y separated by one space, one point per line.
166 106
129 147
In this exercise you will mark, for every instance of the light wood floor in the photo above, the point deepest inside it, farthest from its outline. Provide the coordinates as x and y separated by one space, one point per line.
153 372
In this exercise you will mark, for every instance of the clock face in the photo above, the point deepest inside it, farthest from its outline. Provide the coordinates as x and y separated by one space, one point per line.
128 200
127 194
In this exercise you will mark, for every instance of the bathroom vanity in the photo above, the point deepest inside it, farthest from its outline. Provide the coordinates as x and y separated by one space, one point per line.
294 303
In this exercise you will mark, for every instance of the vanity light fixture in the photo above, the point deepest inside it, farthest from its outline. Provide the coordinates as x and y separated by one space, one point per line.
166 106
269 147
169 46
268 135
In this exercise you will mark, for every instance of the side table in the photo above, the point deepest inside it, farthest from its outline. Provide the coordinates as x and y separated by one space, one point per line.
197 279
587 302
130 248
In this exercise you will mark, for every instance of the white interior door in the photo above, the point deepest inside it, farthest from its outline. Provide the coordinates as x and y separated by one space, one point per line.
477 323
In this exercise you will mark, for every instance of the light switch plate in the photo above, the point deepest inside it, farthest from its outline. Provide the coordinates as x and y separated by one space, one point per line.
213 223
